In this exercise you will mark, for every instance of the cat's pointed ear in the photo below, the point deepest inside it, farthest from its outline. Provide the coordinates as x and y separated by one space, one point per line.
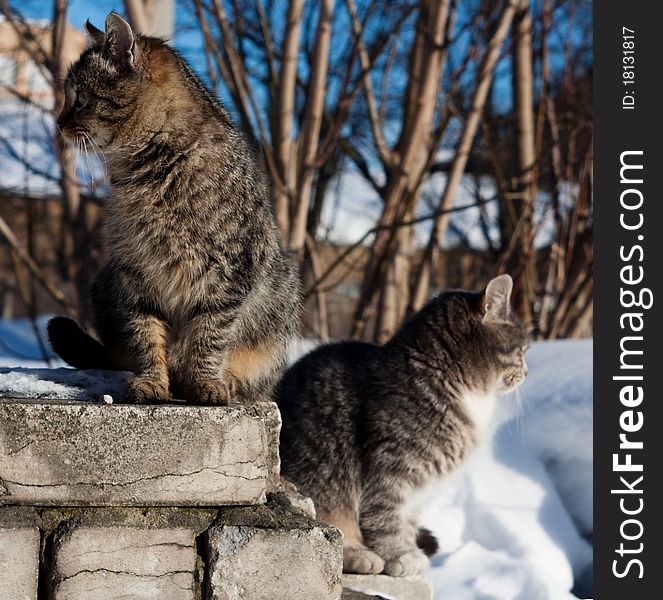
120 41
96 35
496 298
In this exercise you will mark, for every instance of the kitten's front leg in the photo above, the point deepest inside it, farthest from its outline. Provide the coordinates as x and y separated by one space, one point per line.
387 532
199 360
148 344
357 558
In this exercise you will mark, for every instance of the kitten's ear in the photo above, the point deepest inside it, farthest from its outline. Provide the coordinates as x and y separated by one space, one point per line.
96 35
120 41
496 298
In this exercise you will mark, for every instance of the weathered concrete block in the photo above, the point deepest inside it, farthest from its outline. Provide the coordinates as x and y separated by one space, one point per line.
19 563
298 502
113 563
81 454
383 586
273 553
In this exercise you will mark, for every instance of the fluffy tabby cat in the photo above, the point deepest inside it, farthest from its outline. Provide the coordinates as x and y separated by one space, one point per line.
367 428
197 296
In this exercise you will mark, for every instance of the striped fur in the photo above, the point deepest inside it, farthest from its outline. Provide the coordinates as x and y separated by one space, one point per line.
197 298
368 429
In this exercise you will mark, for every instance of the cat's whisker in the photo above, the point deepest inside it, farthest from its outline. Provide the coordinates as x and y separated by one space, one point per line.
93 184
83 159
89 169
75 142
79 153
100 155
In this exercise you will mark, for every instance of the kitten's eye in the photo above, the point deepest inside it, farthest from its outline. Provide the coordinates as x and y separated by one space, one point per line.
82 98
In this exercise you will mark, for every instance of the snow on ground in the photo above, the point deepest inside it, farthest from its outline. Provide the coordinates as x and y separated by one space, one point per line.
62 384
514 524
504 531
19 347
25 374
557 421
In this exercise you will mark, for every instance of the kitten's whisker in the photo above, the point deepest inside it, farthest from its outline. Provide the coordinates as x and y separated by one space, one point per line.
519 412
513 414
515 425
525 407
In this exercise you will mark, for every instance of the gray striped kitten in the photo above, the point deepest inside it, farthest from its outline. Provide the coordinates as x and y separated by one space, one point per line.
197 297
366 428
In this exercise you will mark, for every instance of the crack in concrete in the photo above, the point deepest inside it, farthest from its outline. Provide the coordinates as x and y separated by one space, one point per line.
135 547
23 447
122 572
261 466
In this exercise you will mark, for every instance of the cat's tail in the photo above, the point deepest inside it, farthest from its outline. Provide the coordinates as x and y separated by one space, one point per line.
77 348
427 541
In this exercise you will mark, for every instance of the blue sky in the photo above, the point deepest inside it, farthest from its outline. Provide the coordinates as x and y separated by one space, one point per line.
189 42
187 39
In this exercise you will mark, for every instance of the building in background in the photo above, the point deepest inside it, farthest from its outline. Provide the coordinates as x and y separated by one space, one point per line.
19 73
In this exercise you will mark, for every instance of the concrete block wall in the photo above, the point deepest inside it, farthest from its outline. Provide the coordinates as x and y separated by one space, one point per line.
19 561
168 502
265 551
83 454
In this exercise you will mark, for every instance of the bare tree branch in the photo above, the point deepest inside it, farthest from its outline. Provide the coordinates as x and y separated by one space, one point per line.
485 76
373 114
10 239
285 102
312 122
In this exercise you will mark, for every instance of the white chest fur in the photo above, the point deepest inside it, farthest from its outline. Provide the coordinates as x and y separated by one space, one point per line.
481 409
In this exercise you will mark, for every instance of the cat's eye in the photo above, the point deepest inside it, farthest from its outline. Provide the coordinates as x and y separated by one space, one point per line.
82 98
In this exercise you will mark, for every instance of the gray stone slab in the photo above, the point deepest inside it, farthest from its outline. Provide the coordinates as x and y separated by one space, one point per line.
118 563
298 502
81 454
273 553
389 588
19 563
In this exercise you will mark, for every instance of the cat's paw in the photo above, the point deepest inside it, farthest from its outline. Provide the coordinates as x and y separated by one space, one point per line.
211 391
410 563
145 390
361 560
